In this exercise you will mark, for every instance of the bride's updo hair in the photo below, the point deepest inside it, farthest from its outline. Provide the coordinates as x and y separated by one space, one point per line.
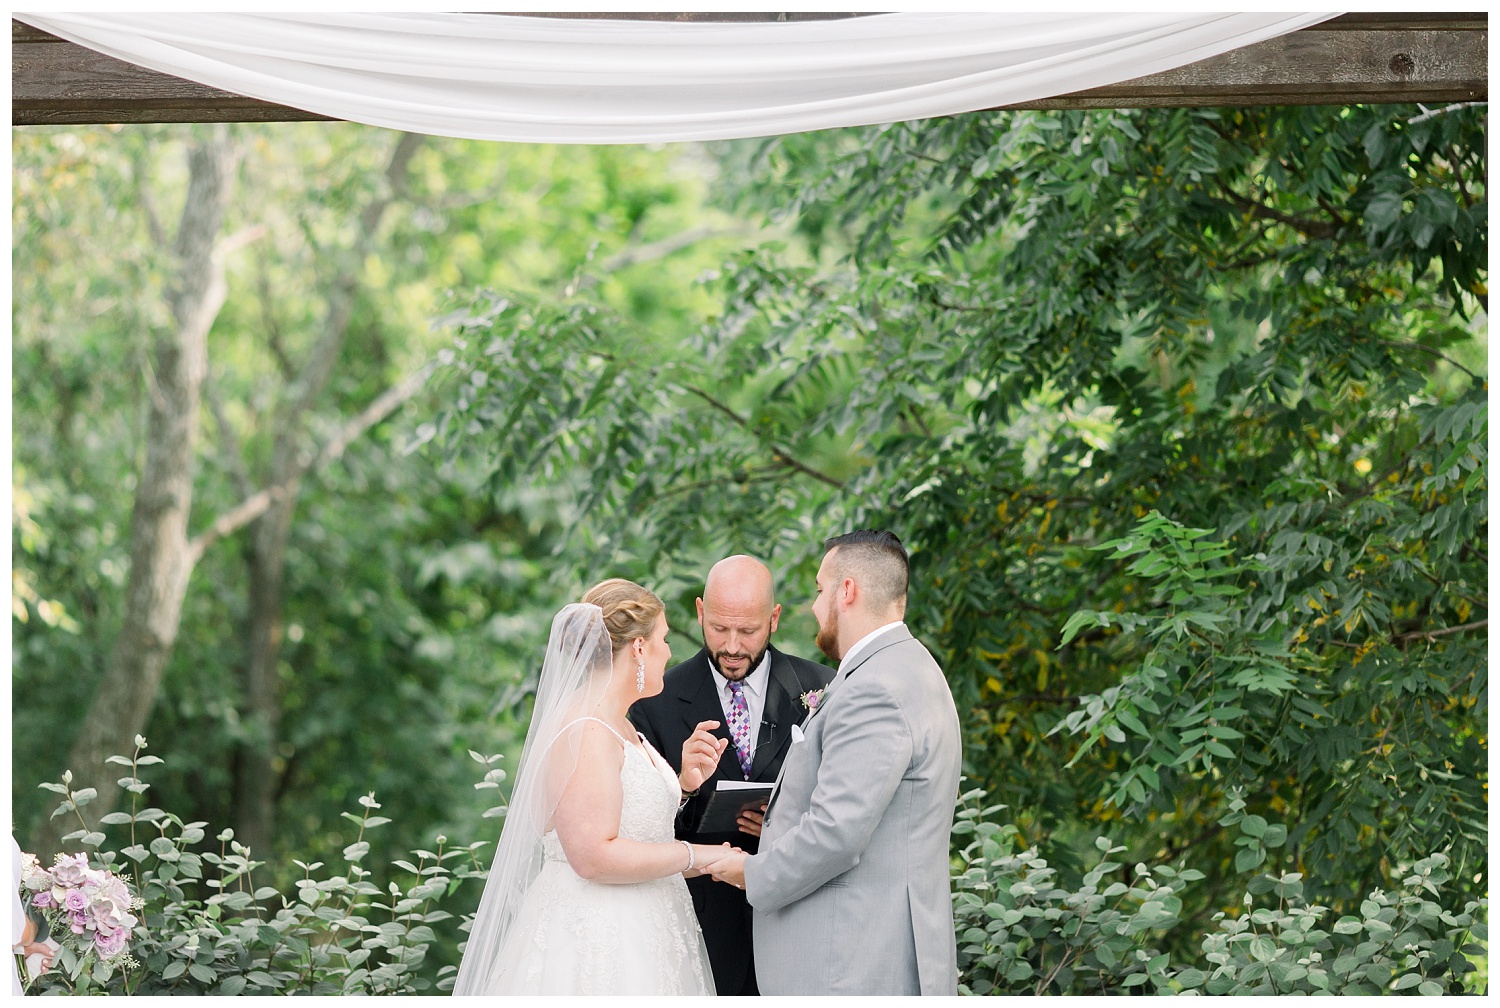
630 611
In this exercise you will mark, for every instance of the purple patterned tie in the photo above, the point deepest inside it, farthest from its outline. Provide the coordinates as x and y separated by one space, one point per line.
739 725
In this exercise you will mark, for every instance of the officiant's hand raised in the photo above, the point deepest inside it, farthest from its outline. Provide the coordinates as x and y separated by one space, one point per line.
700 756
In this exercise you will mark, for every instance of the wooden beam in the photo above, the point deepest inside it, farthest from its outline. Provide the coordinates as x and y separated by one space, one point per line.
1330 64
1355 58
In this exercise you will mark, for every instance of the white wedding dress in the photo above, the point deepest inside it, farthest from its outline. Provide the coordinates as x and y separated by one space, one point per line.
573 936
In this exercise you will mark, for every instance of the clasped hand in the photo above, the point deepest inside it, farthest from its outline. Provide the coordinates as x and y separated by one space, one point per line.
724 863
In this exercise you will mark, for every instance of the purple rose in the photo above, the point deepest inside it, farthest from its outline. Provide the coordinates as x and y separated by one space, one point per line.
75 900
76 921
111 944
41 900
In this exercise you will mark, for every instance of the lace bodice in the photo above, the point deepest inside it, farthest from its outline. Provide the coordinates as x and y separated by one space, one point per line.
648 799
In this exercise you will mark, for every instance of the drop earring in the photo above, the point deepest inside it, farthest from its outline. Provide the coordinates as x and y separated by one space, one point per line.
640 675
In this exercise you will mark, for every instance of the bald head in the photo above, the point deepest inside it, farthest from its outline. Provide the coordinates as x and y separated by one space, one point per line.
738 613
739 582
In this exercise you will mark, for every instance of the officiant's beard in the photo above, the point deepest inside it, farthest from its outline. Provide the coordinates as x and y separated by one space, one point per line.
828 636
750 666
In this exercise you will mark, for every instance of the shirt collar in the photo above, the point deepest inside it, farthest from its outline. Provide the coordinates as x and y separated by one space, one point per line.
755 682
865 642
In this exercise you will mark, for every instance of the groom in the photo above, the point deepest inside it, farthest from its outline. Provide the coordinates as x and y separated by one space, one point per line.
754 694
850 884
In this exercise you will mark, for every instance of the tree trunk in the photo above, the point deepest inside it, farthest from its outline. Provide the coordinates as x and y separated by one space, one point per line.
256 768
161 559
257 783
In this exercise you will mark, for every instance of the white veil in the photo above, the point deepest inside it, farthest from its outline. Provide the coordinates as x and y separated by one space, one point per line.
575 676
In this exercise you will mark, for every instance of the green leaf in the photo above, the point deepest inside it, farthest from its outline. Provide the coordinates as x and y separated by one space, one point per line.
1190 978
1253 825
1383 209
1079 621
1247 859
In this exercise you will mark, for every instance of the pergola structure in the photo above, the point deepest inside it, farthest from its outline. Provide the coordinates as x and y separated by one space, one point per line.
1354 58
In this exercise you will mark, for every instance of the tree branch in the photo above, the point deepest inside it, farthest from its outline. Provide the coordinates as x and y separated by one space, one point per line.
271 324
1318 229
777 452
238 240
1375 483
257 504
1071 701
1428 113
662 247
1435 353
1430 635
318 369
634 255
1458 177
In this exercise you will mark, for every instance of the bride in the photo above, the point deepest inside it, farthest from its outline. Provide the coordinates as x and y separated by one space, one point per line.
586 893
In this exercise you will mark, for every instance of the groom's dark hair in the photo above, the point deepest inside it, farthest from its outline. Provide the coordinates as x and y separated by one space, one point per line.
877 560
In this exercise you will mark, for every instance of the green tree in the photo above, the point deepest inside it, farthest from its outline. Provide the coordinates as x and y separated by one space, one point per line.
415 596
1242 349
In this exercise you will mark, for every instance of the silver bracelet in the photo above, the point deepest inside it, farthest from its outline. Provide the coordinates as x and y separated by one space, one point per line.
691 860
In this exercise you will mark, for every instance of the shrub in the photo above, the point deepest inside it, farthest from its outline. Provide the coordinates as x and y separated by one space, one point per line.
207 929
1020 932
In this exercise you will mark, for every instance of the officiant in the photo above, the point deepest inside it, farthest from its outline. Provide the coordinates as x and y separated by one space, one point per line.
756 694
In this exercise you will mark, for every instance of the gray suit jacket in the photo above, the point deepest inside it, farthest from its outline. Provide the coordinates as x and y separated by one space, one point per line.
851 883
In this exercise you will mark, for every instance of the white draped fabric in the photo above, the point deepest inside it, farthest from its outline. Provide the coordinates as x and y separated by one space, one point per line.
498 77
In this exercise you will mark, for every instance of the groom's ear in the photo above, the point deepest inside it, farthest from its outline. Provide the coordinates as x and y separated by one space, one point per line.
775 617
700 611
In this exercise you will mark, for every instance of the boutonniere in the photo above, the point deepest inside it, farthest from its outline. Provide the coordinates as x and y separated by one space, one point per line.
811 699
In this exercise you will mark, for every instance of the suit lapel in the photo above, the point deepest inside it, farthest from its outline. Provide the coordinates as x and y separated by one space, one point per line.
887 639
783 708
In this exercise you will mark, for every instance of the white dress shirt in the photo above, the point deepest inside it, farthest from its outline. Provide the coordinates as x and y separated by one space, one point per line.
754 692
865 643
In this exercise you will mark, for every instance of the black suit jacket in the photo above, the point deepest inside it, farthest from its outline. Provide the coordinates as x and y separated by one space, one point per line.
690 695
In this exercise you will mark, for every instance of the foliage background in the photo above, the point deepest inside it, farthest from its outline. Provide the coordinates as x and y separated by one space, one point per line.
1043 347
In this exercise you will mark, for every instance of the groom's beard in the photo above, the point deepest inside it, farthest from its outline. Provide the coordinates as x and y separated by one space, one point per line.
750 666
828 636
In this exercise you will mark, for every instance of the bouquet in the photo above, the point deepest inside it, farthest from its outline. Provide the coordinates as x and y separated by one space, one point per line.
87 909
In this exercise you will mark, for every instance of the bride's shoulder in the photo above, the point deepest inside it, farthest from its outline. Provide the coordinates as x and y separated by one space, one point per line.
591 735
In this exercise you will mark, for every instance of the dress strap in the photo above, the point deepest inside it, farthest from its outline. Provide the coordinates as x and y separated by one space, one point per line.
605 723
